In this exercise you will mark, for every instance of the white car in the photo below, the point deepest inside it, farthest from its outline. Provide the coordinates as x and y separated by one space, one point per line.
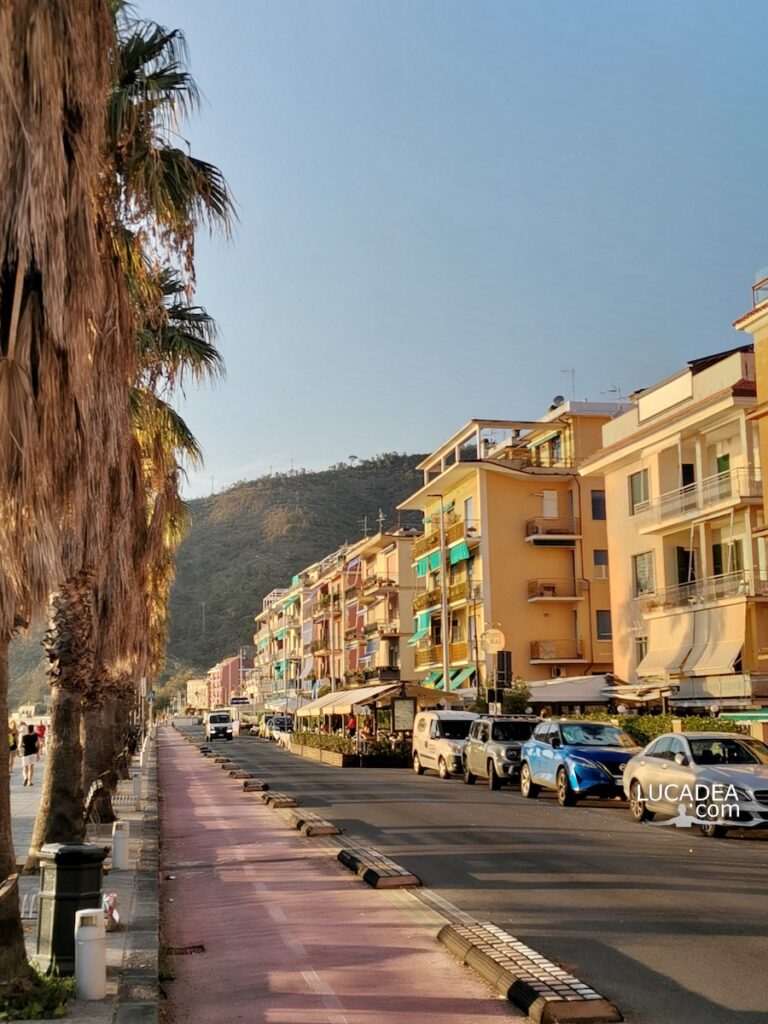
281 728
715 780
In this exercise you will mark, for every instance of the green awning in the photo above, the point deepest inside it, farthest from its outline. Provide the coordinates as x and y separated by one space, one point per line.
433 560
422 628
291 601
432 678
279 634
264 642
422 566
459 553
754 715
295 581
460 676
439 681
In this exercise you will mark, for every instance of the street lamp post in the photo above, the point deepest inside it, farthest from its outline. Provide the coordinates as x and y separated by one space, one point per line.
445 634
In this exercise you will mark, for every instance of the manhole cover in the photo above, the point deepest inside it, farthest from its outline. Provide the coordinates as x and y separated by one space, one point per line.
183 950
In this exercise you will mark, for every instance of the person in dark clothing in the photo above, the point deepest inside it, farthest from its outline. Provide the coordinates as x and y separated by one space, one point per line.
30 745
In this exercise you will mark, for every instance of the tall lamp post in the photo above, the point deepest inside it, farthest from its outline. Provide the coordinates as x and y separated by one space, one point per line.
445 633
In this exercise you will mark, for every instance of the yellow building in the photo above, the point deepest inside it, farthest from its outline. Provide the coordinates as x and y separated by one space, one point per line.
520 540
755 323
688 576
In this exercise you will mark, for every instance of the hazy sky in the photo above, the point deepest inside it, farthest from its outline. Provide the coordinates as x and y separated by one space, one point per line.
445 205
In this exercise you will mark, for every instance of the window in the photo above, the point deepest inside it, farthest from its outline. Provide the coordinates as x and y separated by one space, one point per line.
603 625
556 449
642 573
639 495
727 557
600 558
469 511
641 648
598 504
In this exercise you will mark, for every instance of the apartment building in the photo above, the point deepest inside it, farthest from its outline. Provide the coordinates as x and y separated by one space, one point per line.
341 622
515 540
223 681
689 591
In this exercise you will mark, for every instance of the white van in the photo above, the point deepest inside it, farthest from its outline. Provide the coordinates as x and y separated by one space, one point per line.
438 741
218 725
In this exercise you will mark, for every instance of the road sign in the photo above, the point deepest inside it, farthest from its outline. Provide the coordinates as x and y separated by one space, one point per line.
493 641
239 700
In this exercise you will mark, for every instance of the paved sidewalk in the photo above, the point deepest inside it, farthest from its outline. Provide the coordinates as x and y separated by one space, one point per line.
261 924
132 987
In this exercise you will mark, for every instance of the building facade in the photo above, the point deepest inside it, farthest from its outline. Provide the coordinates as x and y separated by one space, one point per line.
519 539
689 591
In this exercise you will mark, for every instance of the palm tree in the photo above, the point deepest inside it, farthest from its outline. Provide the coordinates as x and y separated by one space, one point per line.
55 285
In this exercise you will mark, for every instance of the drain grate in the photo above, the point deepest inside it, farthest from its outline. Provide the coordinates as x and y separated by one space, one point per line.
183 950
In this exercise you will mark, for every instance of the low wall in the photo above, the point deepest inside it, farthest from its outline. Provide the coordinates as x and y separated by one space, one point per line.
339 760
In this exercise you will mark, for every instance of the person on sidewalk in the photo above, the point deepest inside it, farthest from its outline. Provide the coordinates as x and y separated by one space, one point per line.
40 732
30 745
13 744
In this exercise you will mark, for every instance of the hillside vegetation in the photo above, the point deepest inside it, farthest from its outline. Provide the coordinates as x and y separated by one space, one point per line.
255 536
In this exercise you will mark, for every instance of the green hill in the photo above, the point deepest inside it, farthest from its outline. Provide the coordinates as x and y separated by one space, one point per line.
256 536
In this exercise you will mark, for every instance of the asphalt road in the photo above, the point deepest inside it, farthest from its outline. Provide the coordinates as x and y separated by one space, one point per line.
668 925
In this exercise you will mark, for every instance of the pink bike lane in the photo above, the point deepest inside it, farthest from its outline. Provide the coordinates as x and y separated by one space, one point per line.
288 935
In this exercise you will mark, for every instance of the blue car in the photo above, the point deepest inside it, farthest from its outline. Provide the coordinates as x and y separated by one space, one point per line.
576 759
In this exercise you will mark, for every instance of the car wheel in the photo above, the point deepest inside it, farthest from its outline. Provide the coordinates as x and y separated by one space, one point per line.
712 830
418 767
565 795
494 782
528 787
442 769
468 777
638 808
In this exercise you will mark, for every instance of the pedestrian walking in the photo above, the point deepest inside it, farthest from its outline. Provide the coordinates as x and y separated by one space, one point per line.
30 744
13 744
40 733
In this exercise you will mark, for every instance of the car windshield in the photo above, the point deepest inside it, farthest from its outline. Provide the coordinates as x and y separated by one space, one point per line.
728 751
455 730
219 719
506 731
595 734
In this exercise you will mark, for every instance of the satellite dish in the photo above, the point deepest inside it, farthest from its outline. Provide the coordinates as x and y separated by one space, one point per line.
558 400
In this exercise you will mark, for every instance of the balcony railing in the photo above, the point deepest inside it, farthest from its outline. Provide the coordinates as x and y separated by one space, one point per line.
554 589
428 656
465 590
429 599
426 543
735 484
714 588
565 526
318 645
386 673
458 651
557 650
353 633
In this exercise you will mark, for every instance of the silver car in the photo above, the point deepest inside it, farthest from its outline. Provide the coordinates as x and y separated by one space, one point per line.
715 780
492 750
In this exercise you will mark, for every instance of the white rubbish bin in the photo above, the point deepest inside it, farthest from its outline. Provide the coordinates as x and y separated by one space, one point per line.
120 837
137 791
90 954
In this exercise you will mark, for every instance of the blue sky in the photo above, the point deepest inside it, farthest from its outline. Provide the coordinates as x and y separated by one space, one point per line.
445 205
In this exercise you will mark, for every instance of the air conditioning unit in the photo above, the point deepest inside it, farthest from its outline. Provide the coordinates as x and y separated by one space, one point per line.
556 671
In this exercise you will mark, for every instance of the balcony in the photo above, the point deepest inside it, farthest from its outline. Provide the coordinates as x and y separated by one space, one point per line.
554 590
353 633
730 488
427 543
429 599
429 655
707 591
465 590
386 673
458 651
317 646
545 532
374 586
545 651
465 529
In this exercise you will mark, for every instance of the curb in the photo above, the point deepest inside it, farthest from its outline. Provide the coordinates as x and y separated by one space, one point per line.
548 994
375 869
277 800
254 785
311 824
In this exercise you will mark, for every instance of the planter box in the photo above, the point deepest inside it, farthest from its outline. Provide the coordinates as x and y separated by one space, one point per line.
338 760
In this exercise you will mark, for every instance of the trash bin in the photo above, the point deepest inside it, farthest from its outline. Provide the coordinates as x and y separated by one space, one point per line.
70 880
120 837
90 954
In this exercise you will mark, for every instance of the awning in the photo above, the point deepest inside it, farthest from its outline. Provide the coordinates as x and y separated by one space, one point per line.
341 702
670 639
291 601
459 553
306 667
755 715
422 566
433 560
460 676
279 634
573 690
432 678
718 639
422 628
264 642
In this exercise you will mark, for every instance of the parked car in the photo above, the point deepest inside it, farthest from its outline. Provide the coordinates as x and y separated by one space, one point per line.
719 780
438 741
280 727
265 727
576 758
492 750
218 725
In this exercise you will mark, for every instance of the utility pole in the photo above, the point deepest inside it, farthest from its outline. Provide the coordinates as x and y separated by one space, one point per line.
445 632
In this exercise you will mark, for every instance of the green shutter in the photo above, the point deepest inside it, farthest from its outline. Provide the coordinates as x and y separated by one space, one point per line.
459 553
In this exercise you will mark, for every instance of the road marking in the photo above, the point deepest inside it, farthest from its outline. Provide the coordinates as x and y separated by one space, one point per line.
329 997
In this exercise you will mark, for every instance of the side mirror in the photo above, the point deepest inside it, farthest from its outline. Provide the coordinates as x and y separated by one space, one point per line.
556 742
681 759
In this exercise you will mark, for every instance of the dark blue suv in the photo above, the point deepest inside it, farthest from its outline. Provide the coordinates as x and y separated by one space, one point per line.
575 758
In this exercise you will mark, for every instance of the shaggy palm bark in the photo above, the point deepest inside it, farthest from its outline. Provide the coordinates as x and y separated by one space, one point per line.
69 646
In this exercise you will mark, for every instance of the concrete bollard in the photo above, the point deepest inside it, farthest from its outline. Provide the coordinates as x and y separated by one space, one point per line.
137 791
120 837
90 954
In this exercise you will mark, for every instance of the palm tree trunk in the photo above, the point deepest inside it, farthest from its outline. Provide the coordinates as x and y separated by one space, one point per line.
61 814
15 972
